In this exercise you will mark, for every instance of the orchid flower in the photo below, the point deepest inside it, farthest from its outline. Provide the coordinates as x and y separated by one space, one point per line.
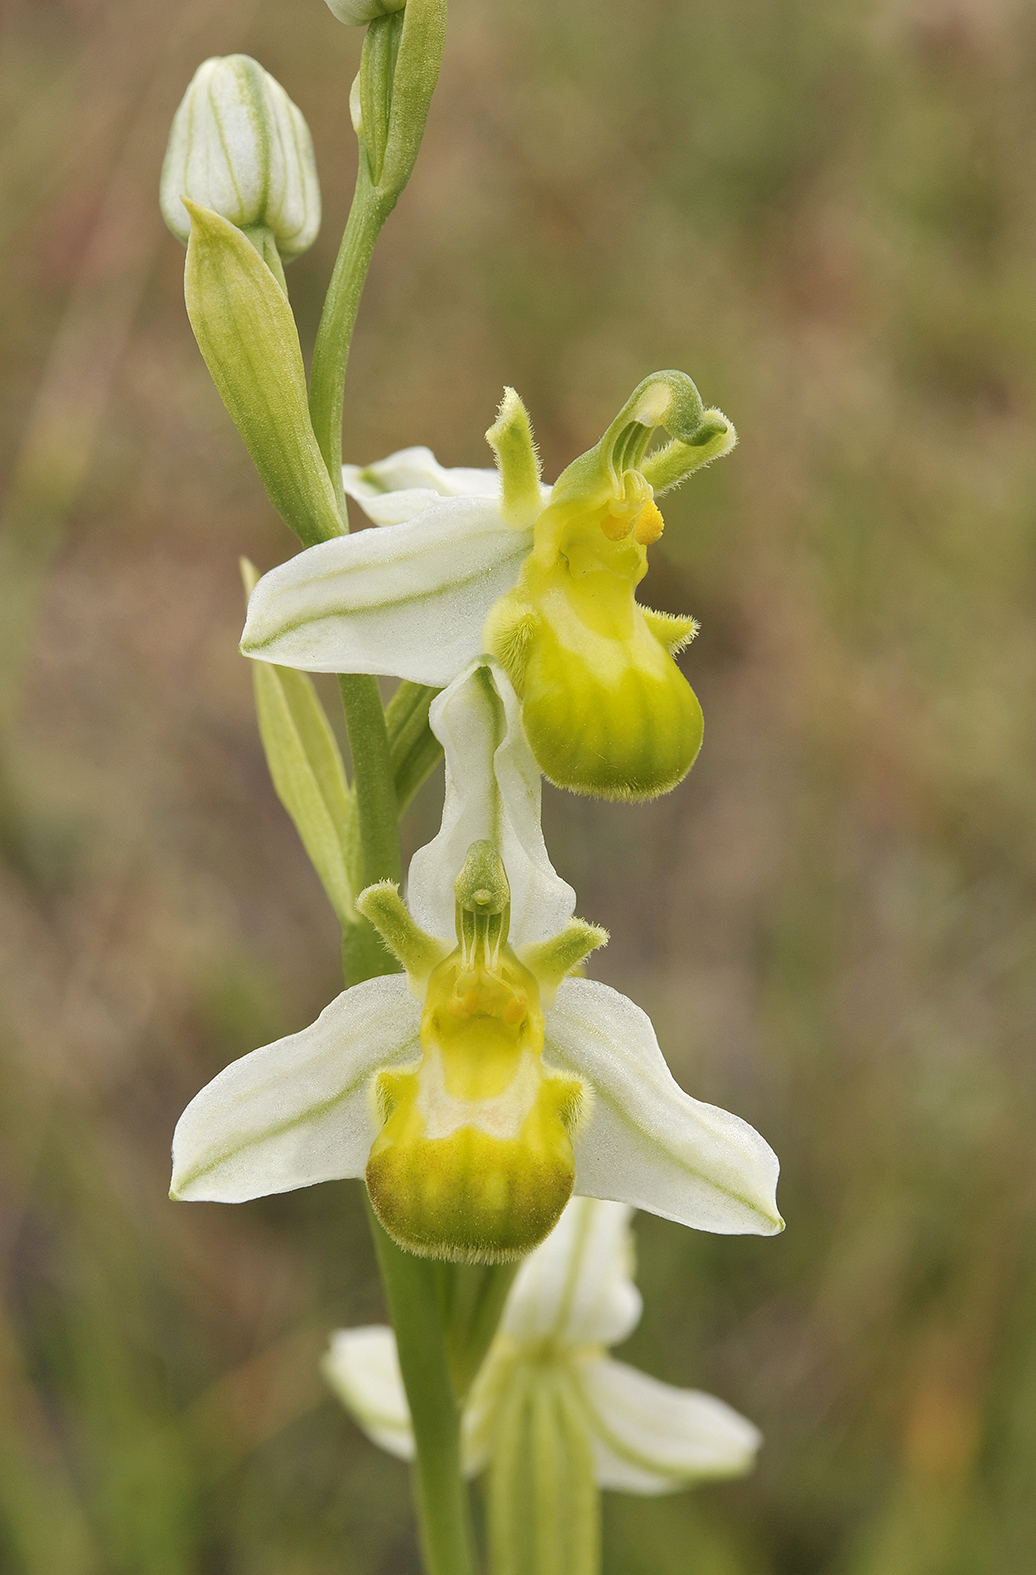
550 1414
476 1092
471 561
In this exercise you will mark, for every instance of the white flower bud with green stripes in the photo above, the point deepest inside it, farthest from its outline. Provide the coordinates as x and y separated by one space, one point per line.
355 13
552 1418
240 147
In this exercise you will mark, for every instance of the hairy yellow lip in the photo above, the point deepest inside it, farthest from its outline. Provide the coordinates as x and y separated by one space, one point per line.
605 708
474 1161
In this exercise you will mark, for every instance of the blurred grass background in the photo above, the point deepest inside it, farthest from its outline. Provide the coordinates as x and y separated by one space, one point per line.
825 211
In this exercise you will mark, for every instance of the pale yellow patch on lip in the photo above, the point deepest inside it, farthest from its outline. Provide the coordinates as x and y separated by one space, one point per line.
499 1115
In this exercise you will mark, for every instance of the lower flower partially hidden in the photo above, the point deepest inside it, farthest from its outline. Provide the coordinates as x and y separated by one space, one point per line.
474 1160
551 1418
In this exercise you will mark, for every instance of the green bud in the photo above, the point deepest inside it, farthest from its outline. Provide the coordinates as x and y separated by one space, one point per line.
239 146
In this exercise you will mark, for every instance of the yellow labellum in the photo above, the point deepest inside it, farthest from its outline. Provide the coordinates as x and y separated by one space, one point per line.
605 707
474 1161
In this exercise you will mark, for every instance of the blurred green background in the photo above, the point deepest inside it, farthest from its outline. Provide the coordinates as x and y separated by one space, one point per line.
825 211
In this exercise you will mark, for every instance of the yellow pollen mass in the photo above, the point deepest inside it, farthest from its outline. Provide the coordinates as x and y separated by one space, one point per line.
650 524
474 1161
617 527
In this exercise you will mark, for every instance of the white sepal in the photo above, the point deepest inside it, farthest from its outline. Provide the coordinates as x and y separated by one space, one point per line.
577 1287
362 1367
410 600
400 487
650 1437
297 1111
492 792
645 1141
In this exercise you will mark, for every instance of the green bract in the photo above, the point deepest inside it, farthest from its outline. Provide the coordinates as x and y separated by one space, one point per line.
239 146
307 772
478 1090
245 331
544 580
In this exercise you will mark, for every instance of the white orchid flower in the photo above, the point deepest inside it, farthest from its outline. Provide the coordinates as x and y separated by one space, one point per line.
474 1109
548 1389
470 561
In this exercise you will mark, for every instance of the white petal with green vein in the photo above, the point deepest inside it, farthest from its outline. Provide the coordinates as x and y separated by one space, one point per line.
395 489
409 600
297 1111
645 1141
649 1437
362 1367
578 1287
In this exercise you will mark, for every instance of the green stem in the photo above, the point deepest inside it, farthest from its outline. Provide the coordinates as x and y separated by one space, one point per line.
367 215
372 778
398 72
471 1300
399 67
442 1501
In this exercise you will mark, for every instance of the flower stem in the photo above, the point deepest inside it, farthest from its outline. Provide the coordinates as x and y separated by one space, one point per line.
399 67
331 353
373 778
390 760
471 1300
442 1500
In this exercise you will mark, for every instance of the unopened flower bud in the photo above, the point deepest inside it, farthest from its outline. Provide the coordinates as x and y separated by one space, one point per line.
241 147
354 13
